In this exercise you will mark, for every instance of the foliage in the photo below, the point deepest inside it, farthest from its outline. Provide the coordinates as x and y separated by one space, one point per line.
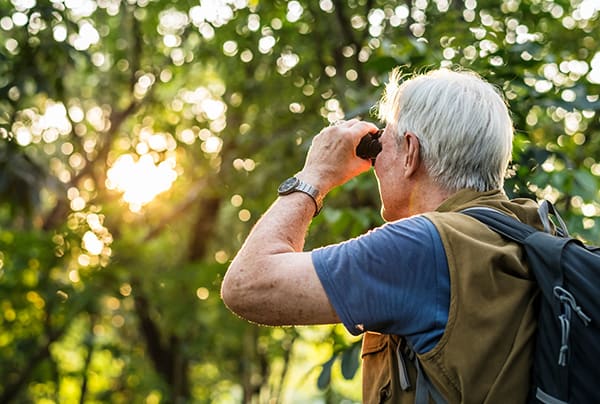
140 139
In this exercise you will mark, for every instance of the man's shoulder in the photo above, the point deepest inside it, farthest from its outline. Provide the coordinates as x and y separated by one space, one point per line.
523 209
442 221
416 225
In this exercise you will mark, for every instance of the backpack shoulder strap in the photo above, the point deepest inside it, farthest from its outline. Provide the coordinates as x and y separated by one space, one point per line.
543 250
507 226
546 209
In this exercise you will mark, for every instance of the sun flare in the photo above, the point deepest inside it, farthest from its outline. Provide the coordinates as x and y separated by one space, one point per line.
142 180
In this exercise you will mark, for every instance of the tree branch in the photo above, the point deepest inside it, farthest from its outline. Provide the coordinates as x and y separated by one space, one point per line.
88 360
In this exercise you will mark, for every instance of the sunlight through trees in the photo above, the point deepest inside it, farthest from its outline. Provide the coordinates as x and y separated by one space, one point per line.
141 139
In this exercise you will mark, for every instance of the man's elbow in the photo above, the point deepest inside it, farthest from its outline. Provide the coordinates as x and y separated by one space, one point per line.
247 298
237 294
231 294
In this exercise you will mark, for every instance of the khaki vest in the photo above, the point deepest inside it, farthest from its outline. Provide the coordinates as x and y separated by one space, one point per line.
485 353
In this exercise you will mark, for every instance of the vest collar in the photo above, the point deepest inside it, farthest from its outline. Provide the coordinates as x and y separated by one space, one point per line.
469 197
523 209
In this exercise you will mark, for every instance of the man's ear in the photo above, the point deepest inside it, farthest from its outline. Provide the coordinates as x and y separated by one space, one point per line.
412 158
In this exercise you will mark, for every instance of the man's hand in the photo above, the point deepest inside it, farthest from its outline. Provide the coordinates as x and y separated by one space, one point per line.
332 160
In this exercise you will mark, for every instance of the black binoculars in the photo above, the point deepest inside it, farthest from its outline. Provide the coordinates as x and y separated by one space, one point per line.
369 146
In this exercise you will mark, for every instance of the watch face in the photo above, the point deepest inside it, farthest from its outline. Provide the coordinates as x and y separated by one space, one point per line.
288 185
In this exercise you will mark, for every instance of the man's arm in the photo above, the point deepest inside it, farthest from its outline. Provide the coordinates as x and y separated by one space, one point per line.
271 281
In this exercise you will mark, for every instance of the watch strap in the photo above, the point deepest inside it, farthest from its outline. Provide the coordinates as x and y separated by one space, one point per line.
313 193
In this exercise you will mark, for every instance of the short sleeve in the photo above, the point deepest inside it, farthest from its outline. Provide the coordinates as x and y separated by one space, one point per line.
392 280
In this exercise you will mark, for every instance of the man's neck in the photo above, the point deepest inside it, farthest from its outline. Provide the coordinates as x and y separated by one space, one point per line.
427 199
416 194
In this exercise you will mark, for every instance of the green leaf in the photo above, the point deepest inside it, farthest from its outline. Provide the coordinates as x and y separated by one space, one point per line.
325 377
350 361
586 184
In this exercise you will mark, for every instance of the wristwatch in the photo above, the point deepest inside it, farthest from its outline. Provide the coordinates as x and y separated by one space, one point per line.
294 184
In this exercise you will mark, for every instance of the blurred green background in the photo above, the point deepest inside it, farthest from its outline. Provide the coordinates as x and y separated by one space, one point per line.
141 139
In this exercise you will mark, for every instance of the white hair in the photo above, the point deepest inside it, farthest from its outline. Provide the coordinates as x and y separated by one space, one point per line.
462 123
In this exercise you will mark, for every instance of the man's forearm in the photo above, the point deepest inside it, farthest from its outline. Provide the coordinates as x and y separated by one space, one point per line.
281 229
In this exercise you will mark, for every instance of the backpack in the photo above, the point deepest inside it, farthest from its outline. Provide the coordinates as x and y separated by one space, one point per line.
566 367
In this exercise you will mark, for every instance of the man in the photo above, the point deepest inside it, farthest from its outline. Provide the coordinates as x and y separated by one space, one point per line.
431 280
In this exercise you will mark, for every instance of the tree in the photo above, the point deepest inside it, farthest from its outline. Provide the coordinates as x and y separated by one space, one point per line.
141 140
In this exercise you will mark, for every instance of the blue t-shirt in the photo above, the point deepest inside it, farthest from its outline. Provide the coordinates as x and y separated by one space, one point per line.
392 280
